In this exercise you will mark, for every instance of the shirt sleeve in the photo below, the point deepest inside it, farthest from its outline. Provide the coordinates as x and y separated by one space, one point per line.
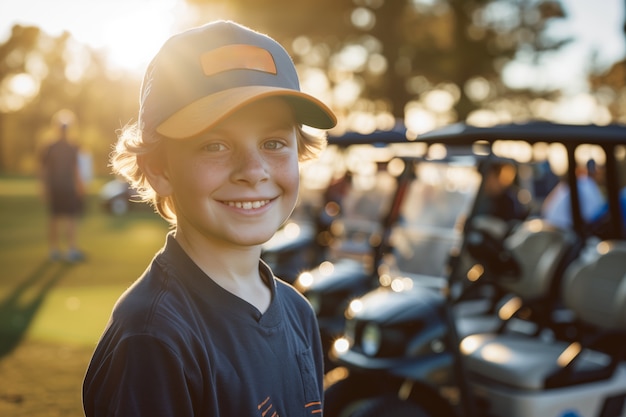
141 376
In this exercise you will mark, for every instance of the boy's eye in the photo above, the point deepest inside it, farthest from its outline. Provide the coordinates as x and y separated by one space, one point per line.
214 147
273 144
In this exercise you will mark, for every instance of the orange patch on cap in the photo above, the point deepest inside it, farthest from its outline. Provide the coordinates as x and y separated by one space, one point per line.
237 56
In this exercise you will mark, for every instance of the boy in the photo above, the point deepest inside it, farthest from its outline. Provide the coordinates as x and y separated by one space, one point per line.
208 330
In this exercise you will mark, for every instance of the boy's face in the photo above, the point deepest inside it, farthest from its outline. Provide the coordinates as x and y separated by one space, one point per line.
238 182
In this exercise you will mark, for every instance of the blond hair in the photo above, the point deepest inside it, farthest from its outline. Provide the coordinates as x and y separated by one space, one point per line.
134 143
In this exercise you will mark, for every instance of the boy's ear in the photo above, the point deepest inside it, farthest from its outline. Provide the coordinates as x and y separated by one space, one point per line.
155 170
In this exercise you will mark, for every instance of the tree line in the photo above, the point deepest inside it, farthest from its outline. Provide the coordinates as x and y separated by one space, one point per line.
376 57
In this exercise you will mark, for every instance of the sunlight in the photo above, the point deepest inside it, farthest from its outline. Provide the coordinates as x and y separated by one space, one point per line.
417 119
128 31
355 306
326 268
305 279
510 308
488 350
341 345
439 101
292 230
569 354
496 353
475 272
134 37
16 91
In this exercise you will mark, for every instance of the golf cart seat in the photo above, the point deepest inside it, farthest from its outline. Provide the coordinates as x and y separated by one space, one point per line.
539 248
594 288
523 264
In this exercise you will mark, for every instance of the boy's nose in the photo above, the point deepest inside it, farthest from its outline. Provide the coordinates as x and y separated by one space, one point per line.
251 167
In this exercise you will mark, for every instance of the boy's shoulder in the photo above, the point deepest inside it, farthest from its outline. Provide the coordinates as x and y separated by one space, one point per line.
292 298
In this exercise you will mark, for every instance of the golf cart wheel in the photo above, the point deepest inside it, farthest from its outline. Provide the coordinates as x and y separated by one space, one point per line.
346 395
388 406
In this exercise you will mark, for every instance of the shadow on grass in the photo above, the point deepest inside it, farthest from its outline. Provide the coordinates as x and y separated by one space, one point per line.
20 306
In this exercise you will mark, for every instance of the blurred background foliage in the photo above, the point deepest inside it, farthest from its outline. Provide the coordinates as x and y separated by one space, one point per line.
425 62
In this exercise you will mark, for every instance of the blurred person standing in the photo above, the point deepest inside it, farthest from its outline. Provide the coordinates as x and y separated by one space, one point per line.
63 191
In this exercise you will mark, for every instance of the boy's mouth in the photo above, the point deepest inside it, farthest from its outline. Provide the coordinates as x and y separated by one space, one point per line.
247 205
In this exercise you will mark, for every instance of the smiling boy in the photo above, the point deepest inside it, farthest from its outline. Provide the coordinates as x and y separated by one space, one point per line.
207 330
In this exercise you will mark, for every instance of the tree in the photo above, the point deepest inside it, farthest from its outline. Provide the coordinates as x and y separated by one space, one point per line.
609 87
102 101
13 61
364 57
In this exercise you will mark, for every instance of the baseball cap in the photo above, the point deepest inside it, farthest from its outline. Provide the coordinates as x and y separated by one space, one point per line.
204 74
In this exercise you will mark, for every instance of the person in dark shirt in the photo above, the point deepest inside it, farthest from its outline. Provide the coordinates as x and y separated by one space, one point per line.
208 330
63 191
500 194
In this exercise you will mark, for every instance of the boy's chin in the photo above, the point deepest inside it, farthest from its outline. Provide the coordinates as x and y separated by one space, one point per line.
256 238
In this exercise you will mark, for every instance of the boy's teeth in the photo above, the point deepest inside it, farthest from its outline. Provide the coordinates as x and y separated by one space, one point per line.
247 205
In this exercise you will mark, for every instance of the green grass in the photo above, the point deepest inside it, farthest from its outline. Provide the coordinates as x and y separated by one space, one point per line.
75 315
57 311
118 249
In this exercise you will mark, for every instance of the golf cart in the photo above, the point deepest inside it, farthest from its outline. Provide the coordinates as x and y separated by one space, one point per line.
552 341
418 232
433 197
116 196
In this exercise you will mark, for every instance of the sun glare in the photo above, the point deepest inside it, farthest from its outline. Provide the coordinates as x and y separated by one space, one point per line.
129 32
133 39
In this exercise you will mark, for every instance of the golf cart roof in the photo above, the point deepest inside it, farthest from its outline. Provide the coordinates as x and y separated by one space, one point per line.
532 132
377 138
465 134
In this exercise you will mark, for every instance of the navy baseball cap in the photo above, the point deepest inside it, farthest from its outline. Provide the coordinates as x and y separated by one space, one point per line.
204 74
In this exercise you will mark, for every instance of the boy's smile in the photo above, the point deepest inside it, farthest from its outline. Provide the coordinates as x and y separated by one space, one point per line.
247 205
238 182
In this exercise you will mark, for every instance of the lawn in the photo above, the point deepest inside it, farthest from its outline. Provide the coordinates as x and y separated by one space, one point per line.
52 313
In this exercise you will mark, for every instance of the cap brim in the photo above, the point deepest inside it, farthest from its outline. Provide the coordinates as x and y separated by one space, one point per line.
202 114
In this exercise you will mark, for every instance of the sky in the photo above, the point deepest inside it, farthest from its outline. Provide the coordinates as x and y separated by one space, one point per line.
130 30
597 27
133 30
